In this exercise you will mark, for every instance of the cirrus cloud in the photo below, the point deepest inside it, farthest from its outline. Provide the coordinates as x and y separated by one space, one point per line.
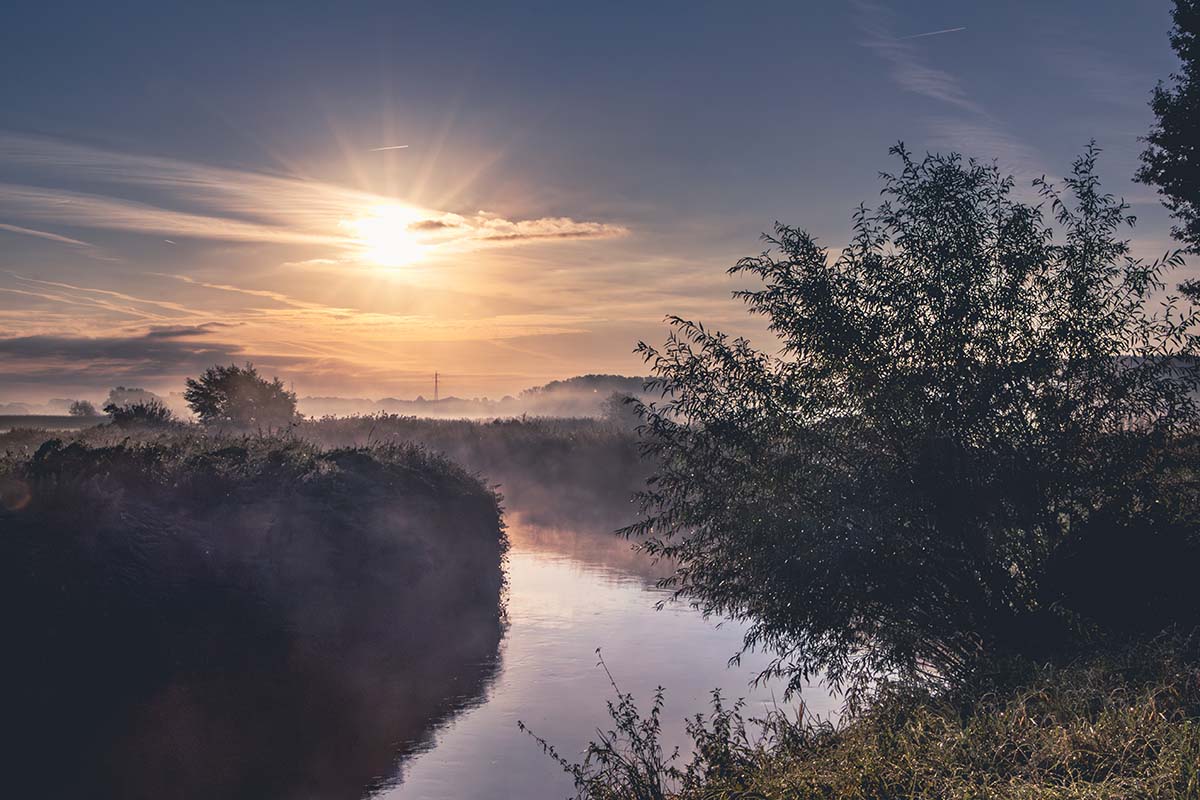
166 197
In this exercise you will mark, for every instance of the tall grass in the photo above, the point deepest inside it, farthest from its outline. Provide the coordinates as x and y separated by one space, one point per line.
1120 725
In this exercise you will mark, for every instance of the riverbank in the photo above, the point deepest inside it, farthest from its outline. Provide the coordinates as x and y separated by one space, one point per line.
1124 724
195 616
557 471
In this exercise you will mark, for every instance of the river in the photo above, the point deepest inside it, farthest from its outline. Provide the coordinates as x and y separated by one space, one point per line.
568 595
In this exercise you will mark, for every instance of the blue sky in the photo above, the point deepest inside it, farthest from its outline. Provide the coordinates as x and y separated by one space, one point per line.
185 183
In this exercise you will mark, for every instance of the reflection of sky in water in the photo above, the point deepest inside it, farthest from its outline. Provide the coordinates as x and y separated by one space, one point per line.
561 608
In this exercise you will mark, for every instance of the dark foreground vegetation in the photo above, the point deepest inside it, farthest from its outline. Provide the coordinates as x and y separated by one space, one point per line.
1118 725
962 487
194 616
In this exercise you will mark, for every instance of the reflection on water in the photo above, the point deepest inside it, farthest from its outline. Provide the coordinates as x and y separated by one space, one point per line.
391 706
569 594
157 665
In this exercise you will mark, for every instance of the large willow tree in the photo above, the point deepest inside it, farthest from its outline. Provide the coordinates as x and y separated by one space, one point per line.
968 442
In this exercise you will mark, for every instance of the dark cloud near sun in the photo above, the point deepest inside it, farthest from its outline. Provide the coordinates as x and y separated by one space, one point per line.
157 352
184 331
527 237
430 225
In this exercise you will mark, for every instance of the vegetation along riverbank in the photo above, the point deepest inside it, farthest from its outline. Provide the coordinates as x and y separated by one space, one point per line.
209 616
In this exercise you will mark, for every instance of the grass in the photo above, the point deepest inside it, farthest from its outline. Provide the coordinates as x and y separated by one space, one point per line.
1121 725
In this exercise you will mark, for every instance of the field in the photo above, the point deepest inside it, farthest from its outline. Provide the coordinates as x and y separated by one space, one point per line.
47 422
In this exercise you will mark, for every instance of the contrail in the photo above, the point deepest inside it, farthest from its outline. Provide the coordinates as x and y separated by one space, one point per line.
391 147
932 33
54 237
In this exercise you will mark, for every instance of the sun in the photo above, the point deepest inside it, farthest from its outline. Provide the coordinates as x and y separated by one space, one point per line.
384 235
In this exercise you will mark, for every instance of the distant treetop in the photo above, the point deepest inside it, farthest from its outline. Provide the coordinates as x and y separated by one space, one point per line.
590 383
241 397
1171 161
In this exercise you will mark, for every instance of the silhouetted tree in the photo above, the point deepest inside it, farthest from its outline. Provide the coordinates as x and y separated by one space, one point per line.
82 408
621 410
147 413
966 402
130 395
1171 160
240 396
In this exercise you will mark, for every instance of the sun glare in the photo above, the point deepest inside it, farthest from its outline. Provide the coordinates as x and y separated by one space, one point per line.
385 236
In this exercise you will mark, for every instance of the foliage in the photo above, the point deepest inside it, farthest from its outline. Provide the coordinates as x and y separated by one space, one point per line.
577 472
583 395
129 395
1171 161
591 383
240 397
965 410
1125 725
629 761
82 408
153 589
144 413
621 410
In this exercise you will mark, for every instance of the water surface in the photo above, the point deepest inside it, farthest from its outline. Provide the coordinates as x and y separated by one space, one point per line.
569 594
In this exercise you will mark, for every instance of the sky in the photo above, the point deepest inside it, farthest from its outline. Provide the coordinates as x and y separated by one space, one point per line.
355 195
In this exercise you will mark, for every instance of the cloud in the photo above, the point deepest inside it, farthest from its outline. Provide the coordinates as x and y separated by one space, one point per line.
85 210
909 69
53 237
167 197
431 225
501 230
152 354
984 140
185 331
965 126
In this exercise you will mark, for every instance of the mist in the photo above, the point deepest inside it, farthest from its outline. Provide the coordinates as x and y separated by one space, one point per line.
243 626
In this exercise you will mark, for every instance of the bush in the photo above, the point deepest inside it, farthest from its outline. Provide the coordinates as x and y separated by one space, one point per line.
1124 725
153 595
577 472
143 413
82 408
974 419
240 397
129 395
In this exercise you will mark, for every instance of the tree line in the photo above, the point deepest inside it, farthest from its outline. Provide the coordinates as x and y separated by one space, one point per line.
234 396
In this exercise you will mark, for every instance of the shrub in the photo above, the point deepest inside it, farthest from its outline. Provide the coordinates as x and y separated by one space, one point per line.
143 413
974 413
129 395
82 408
1123 725
239 396
151 593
